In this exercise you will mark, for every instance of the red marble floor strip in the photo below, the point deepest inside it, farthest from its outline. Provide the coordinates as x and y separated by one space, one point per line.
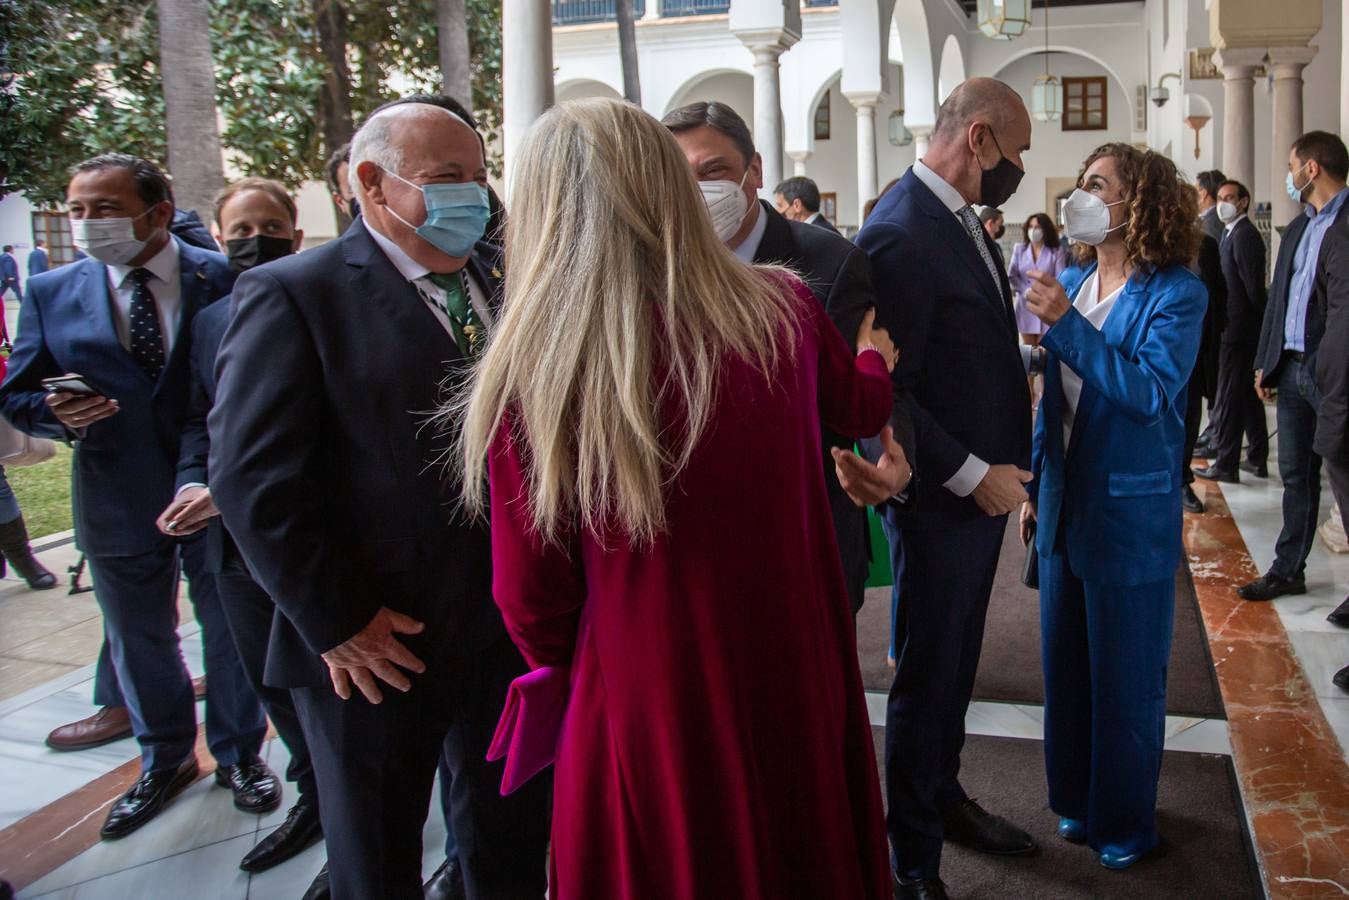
1290 766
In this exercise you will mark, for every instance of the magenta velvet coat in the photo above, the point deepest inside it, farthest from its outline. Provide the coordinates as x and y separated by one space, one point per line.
1052 260
716 742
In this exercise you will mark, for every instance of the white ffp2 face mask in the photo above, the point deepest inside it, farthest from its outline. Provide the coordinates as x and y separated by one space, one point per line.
1086 218
1227 212
1035 235
727 204
111 241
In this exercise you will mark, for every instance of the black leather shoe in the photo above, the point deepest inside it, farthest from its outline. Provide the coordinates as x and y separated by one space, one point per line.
256 788
151 793
291 838
1257 470
447 883
1190 500
1340 616
1202 451
319 888
970 825
919 889
1341 679
1213 473
1269 586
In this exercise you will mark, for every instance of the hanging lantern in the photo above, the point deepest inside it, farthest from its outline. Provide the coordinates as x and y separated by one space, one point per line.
1046 95
900 135
1003 20
1046 98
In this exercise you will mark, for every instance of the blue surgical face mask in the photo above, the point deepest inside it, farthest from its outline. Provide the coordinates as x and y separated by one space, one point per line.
456 215
1295 192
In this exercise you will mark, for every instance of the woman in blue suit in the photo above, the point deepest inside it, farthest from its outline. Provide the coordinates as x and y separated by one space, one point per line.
1124 331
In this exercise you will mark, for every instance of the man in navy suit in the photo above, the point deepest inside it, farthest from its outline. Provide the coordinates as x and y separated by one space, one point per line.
798 200
947 301
330 476
1243 267
9 274
120 319
1285 357
37 260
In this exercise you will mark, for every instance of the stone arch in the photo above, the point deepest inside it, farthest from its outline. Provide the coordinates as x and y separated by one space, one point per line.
688 92
915 52
952 70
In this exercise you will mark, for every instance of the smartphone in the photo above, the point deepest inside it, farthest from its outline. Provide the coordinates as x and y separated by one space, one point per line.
73 384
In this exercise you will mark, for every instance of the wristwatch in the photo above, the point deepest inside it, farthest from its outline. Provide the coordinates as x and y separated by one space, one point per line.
1038 355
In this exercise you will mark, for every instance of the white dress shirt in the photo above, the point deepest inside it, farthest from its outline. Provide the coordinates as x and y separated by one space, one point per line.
432 294
973 470
1232 224
750 245
165 285
1097 310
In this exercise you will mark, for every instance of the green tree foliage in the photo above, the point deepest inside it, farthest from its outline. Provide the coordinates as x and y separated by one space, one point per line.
79 77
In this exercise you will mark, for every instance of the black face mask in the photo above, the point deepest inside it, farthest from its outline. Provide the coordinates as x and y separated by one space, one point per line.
245 253
997 235
998 184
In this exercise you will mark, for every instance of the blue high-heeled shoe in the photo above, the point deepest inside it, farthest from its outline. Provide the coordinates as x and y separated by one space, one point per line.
1072 830
1114 856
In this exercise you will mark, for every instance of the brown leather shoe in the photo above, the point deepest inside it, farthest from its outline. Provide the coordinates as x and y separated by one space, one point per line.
111 723
199 688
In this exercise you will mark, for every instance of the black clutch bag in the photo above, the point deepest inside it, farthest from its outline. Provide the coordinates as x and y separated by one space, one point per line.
1030 572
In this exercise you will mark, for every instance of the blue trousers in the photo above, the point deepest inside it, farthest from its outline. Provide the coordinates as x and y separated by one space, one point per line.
894 539
1299 468
1105 650
144 663
948 576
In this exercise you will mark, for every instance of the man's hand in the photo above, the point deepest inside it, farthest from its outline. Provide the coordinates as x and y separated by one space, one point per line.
1046 298
1027 518
1264 393
870 337
375 652
189 512
77 411
867 484
1002 489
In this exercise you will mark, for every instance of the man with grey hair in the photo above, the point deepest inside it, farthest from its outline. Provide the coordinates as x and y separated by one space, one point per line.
947 301
329 474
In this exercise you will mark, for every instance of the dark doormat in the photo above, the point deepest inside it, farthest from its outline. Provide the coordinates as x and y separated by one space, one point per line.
1009 667
1208 854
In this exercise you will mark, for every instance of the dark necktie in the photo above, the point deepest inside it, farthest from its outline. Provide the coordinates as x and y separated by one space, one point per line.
468 332
147 340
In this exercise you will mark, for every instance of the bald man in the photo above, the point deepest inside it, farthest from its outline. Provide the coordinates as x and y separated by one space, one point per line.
329 476
944 295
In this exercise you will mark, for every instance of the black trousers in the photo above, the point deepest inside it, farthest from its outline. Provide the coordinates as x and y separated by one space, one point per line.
1242 410
1194 411
948 576
376 763
1338 470
249 612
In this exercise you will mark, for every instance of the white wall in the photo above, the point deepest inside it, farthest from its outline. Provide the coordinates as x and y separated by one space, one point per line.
1056 153
16 227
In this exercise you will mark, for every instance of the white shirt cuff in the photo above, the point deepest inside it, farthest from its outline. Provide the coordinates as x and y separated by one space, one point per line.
967 477
190 484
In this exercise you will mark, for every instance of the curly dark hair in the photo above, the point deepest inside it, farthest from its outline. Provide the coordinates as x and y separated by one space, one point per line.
1163 225
1051 233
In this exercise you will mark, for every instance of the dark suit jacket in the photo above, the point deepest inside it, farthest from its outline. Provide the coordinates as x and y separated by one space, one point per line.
124 466
827 225
1243 256
9 270
959 361
1332 359
1209 268
323 464
207 331
37 262
839 274
1270 351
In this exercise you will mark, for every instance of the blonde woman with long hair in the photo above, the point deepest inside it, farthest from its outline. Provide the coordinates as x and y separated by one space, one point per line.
647 417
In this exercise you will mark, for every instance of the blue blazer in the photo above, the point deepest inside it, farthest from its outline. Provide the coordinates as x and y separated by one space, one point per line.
124 466
959 363
1113 492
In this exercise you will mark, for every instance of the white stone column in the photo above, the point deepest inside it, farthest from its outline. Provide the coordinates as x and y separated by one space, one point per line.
1238 68
526 71
767 105
922 139
652 10
865 103
799 158
1287 64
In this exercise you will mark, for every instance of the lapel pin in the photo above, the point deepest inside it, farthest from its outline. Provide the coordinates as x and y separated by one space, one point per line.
496 273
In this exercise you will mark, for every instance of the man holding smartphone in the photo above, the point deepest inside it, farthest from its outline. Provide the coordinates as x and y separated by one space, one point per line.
102 363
